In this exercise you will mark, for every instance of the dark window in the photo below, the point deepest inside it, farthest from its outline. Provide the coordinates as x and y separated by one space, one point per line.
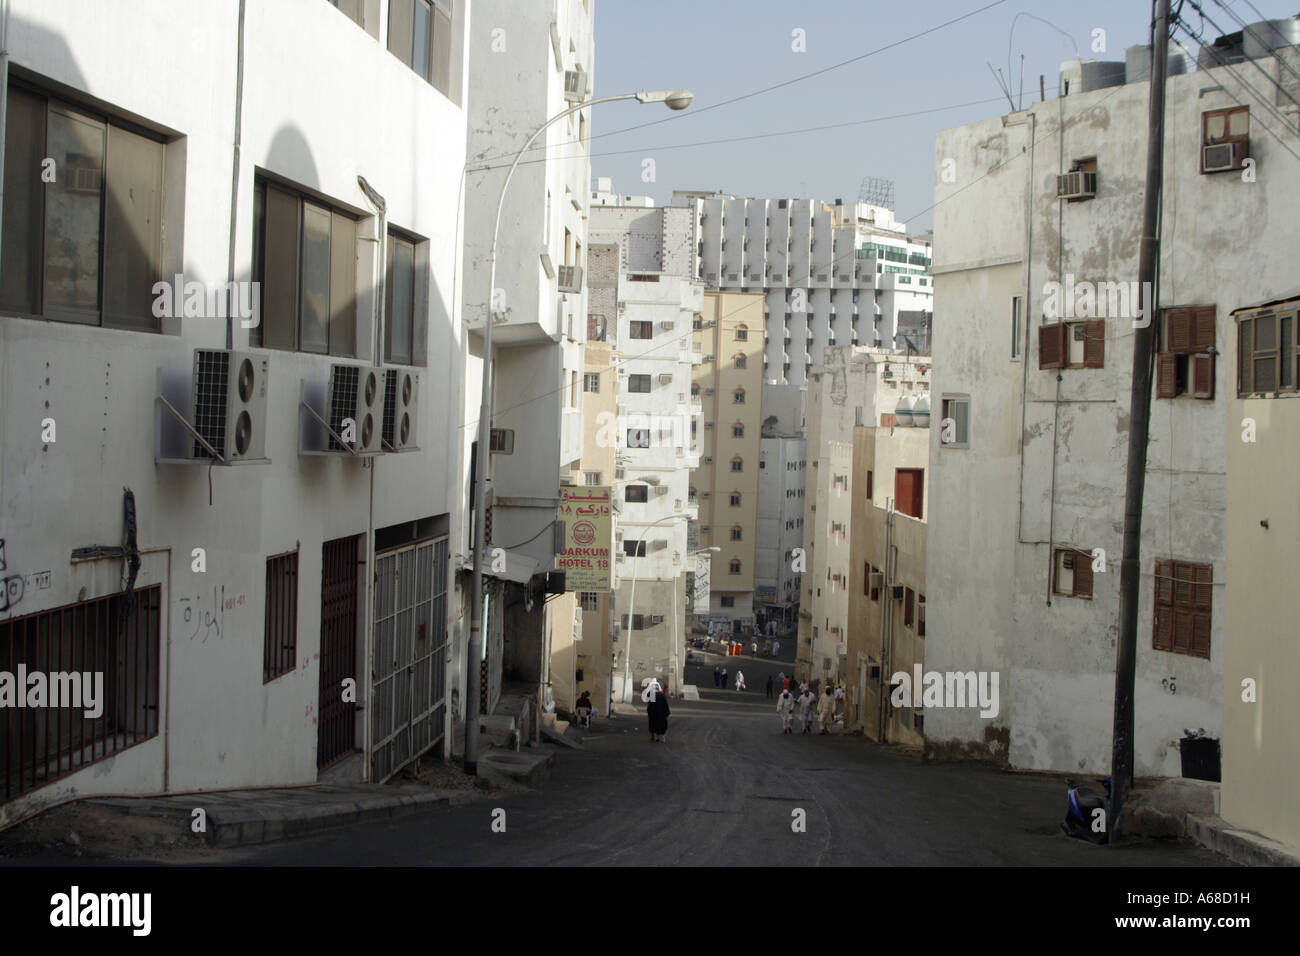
634 549
742 335
419 34
727 600
738 396
103 635
639 622
641 330
1183 593
737 464
735 501
736 533
306 264
734 567
737 431
87 247
399 294
920 616
636 493
638 383
280 635
909 601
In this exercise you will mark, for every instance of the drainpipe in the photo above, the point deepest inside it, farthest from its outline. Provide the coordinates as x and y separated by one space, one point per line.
234 180
885 604
1056 404
4 118
1032 120
377 360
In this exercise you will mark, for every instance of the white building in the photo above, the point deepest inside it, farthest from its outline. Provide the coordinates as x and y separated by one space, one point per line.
856 386
831 274
517 83
1037 491
655 433
782 473
265 589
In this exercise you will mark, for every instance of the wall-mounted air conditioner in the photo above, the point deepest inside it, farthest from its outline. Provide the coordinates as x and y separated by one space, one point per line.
665 378
401 409
355 407
229 405
570 278
575 86
667 325
1222 157
877 579
661 490
1079 184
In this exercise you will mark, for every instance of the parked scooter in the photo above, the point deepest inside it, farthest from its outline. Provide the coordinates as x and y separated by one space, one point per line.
1081 818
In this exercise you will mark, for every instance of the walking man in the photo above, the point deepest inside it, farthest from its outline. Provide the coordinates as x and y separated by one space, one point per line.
826 710
769 686
717 676
807 707
724 678
785 708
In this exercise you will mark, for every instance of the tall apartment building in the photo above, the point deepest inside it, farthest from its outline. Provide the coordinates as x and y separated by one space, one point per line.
1042 376
540 307
729 385
841 274
782 463
856 387
263 565
656 453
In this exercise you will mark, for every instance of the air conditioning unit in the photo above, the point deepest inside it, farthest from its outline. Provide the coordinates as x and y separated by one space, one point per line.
570 278
1222 157
667 326
401 409
710 358
230 403
501 441
877 579
356 408
896 592
1076 185
575 86
821 278
665 378
755 277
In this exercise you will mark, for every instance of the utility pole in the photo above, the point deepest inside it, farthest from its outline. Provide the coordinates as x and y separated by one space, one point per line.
1121 771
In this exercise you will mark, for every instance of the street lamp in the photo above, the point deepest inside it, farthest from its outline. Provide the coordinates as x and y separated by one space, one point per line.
631 607
674 100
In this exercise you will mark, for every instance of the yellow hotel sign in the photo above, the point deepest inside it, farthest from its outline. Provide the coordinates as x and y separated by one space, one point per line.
586 514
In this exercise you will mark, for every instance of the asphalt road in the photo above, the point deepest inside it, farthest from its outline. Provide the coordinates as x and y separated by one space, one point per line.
726 789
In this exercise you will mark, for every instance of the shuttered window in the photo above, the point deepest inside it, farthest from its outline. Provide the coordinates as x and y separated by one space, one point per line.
1051 346
399 310
1073 573
909 490
1184 364
1181 623
1266 352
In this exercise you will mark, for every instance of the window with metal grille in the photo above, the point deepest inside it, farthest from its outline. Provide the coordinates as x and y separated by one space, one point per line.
591 382
591 478
116 638
738 396
727 600
735 500
739 360
734 567
742 335
1183 594
737 431
280 635
88 246
736 533
589 601
305 259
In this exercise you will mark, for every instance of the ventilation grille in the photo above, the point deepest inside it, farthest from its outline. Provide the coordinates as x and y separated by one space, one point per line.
211 384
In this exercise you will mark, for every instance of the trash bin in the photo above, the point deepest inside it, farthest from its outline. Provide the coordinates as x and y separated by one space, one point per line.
1200 757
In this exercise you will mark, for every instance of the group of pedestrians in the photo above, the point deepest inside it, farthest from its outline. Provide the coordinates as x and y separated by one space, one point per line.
809 707
721 678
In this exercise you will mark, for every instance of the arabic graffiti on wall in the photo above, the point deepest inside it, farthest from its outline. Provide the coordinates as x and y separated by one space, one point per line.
206 614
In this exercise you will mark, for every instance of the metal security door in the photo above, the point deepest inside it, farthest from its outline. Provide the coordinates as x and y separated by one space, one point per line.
409 708
336 733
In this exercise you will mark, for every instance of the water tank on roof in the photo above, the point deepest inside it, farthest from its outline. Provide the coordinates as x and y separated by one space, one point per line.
1084 76
1137 64
1264 37
921 411
1226 50
903 413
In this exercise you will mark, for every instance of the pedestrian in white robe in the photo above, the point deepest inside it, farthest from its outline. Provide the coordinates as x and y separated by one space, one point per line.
785 707
807 709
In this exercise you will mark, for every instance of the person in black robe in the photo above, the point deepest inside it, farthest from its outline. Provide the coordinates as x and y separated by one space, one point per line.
657 711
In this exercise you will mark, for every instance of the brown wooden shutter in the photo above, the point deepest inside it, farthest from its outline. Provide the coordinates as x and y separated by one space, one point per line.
1163 629
1182 631
1051 345
1164 585
1166 375
1202 376
1180 330
1094 344
1202 328
1183 584
1082 574
1200 641
1202 589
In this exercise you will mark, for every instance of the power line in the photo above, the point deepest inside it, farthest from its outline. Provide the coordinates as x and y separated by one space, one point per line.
1281 63
784 83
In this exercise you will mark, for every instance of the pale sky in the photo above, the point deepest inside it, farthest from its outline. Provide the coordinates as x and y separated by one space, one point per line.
720 49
